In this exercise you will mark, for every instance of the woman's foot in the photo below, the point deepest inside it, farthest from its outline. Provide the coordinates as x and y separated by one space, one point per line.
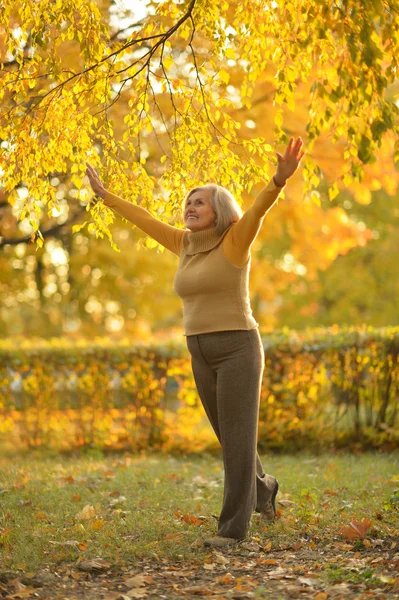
220 542
268 511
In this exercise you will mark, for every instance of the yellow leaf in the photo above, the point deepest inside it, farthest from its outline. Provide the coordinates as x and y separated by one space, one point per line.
333 191
167 62
230 53
278 119
86 513
224 76
267 546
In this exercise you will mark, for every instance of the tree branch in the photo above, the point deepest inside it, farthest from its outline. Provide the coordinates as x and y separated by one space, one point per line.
138 24
165 36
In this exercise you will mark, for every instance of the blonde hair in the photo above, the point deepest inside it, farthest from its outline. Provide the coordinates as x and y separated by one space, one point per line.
224 204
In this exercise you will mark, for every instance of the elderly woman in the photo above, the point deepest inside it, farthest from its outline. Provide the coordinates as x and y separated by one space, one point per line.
222 334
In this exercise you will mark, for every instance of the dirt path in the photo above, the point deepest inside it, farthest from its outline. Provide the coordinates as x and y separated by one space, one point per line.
337 571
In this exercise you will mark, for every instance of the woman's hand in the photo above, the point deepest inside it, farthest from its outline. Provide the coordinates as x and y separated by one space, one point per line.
95 182
288 164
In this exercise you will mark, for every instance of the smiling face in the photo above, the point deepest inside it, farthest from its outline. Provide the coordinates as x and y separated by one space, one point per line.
199 213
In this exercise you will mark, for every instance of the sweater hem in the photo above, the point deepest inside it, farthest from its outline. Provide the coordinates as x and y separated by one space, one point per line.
256 326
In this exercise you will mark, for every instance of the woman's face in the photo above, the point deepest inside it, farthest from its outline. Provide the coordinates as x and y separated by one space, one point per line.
199 213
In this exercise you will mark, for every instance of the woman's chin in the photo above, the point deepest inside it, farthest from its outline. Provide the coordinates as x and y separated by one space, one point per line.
193 226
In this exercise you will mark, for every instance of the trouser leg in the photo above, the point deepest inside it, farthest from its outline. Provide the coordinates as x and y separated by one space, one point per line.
228 368
238 390
205 378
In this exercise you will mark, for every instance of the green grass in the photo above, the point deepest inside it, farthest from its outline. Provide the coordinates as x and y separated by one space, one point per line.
338 574
148 506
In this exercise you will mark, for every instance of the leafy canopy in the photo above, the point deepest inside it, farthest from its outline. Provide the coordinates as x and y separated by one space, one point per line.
67 75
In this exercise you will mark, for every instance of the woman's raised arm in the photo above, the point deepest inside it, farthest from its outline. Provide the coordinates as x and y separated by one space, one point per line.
243 233
166 235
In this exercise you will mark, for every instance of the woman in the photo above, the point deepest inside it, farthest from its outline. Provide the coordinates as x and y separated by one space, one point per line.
222 335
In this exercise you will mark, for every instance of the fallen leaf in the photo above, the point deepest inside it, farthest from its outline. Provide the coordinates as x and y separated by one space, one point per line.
226 579
88 512
20 590
66 479
297 545
242 595
95 564
222 560
135 593
109 474
387 579
175 574
98 524
173 536
76 575
367 543
278 573
286 503
267 546
295 591
138 580
42 516
269 561
321 596
306 581
251 546
341 588
343 546
189 519
196 589
117 500
73 543
209 566
356 529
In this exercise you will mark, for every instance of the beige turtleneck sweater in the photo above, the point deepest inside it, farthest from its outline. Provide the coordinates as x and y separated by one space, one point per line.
212 277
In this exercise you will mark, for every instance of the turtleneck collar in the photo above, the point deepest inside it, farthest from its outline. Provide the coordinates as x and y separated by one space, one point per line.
202 241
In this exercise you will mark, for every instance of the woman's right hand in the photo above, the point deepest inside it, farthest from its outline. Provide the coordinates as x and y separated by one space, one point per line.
95 182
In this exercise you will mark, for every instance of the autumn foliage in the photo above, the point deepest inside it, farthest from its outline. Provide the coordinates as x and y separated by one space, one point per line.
320 387
159 104
194 92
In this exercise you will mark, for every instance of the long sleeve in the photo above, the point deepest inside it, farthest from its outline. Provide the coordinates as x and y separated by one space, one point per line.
166 235
239 238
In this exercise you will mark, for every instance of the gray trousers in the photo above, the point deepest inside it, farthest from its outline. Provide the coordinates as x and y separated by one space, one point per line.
227 368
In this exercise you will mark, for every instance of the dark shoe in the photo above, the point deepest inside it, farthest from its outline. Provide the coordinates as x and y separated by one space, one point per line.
220 542
268 511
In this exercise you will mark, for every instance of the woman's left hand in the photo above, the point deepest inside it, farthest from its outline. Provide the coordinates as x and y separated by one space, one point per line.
288 164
